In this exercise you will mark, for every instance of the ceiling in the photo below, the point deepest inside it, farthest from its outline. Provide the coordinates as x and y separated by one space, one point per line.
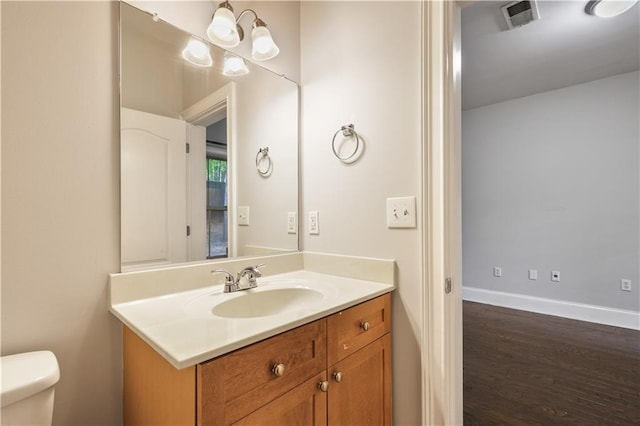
565 47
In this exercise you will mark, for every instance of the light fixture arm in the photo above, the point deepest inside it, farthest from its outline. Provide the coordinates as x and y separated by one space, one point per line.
257 22
246 11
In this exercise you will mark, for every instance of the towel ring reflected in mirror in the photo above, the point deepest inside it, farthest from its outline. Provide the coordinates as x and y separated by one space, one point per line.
348 131
264 164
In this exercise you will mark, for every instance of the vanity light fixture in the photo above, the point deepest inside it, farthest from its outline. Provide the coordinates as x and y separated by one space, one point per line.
225 31
222 29
234 65
609 8
197 52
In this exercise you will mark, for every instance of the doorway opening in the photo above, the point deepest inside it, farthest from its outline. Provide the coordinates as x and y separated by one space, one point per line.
217 191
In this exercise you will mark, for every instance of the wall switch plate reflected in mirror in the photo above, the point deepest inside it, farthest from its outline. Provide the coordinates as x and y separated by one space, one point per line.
314 225
243 215
292 223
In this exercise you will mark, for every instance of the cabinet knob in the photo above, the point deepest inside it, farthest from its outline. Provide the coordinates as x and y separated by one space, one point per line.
278 369
338 376
323 386
365 325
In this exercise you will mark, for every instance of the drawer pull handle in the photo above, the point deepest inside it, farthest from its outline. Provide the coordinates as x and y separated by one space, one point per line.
338 376
365 325
278 369
323 386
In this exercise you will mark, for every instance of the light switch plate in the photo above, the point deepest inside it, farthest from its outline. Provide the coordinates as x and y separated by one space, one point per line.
292 223
401 212
243 215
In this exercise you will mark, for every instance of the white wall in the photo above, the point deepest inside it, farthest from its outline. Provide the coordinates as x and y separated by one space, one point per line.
360 64
60 208
551 182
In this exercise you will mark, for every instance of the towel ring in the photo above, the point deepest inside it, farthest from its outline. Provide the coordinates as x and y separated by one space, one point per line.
263 153
347 131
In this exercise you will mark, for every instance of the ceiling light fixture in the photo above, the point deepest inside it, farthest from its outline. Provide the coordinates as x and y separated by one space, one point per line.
197 52
608 8
225 31
234 65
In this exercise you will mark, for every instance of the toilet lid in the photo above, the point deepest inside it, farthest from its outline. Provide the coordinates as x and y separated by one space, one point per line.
26 374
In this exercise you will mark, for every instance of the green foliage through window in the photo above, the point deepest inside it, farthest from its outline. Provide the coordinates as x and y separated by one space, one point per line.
216 170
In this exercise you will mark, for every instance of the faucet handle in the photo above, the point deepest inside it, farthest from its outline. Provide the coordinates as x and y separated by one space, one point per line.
229 282
228 278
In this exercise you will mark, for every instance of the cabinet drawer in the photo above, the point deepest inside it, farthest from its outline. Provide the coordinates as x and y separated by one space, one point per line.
354 328
234 385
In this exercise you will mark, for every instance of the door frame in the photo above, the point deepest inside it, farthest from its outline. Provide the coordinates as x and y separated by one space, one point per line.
442 245
205 112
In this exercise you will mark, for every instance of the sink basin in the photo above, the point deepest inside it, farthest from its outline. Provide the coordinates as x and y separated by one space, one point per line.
253 304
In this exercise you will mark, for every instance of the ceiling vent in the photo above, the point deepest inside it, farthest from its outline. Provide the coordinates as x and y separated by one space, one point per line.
519 13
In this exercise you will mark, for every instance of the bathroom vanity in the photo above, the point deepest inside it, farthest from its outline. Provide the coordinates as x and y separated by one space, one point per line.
335 370
303 347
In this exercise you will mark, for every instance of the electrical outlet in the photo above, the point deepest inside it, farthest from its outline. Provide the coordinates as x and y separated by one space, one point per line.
555 276
314 225
533 274
292 223
497 271
625 285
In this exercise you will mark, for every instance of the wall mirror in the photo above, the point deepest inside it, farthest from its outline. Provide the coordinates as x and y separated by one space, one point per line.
209 154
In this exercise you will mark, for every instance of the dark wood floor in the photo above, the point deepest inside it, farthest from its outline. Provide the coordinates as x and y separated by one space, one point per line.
522 368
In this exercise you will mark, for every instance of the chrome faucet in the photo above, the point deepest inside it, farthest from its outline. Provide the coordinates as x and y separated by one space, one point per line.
245 279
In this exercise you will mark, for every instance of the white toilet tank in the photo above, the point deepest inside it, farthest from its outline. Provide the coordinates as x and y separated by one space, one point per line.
27 391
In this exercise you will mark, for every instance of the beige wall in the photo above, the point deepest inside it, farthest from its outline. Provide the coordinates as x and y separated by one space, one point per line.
360 64
60 208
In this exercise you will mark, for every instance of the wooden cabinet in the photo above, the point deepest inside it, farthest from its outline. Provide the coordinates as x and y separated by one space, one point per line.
276 381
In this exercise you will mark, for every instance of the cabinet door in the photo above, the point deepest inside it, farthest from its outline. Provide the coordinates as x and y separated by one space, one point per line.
362 396
303 405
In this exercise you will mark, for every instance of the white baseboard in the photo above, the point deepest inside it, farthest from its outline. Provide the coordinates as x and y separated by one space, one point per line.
559 308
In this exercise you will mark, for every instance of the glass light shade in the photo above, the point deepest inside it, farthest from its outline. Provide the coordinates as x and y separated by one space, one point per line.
609 8
197 53
234 65
264 48
222 30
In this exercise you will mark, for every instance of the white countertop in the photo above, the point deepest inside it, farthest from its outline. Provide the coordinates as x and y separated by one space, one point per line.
183 329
